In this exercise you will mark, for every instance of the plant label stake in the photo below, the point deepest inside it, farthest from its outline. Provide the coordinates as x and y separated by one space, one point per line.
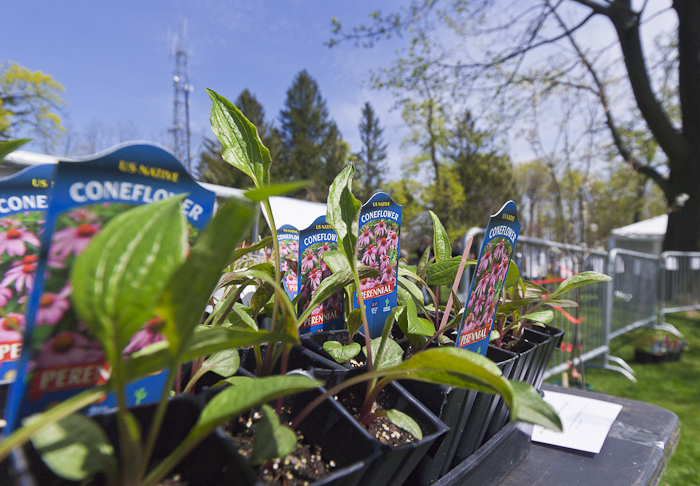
314 241
288 238
492 267
61 357
378 246
23 203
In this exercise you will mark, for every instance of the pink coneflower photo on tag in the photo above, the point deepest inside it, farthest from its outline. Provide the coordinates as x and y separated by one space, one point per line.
52 307
21 273
73 240
13 241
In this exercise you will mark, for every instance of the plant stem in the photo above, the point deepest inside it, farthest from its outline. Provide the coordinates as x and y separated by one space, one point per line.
278 276
365 325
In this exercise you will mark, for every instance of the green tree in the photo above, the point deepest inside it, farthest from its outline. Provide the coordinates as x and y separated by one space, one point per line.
313 147
371 166
484 171
29 105
214 169
543 42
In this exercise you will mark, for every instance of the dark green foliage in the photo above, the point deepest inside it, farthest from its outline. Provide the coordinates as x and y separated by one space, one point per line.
371 159
313 147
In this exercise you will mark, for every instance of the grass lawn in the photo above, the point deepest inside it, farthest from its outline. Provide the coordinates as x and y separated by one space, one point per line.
674 386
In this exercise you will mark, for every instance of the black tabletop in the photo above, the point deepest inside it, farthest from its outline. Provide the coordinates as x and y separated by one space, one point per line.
636 451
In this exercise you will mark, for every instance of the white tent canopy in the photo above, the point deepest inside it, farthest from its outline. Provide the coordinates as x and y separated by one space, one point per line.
646 236
298 213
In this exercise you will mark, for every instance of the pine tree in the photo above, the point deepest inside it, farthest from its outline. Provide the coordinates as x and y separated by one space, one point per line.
313 147
371 166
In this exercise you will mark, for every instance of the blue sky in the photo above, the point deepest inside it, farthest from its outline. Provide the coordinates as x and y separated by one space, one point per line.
113 59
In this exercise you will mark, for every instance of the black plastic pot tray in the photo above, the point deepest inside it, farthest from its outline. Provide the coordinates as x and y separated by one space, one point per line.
494 460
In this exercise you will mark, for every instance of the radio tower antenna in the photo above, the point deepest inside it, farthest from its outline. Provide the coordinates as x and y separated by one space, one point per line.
181 99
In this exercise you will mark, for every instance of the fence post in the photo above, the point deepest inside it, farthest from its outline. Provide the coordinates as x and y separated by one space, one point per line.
662 290
609 295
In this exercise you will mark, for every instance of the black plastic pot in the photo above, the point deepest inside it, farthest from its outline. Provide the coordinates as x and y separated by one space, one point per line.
527 354
341 438
300 358
557 336
483 408
494 460
452 406
395 464
213 461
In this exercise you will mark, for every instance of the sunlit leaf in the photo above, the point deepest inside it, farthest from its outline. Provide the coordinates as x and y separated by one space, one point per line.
342 354
441 242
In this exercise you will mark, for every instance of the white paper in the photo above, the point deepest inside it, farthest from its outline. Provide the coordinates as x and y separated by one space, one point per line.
586 422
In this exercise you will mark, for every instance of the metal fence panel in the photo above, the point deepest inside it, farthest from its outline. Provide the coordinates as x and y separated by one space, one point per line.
633 291
680 282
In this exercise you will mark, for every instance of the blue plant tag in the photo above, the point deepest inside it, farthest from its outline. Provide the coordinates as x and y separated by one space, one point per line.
492 267
24 199
314 241
378 246
61 357
288 238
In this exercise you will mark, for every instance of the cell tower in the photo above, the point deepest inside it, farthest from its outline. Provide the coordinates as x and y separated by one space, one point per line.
181 102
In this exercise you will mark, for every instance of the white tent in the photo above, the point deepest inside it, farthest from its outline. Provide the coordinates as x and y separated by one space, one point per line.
645 236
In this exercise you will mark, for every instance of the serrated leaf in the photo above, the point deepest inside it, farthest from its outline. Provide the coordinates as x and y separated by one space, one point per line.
187 293
579 280
117 279
354 321
392 355
404 422
342 354
272 439
241 145
75 448
441 242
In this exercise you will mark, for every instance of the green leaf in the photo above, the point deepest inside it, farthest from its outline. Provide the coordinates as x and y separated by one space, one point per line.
408 291
509 307
404 422
561 302
543 317
411 324
354 321
234 400
272 440
75 448
186 295
224 363
579 280
117 279
205 341
392 355
444 272
241 145
239 252
533 409
261 297
422 263
342 212
441 242
262 193
336 261
10 146
342 354
513 275
240 317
